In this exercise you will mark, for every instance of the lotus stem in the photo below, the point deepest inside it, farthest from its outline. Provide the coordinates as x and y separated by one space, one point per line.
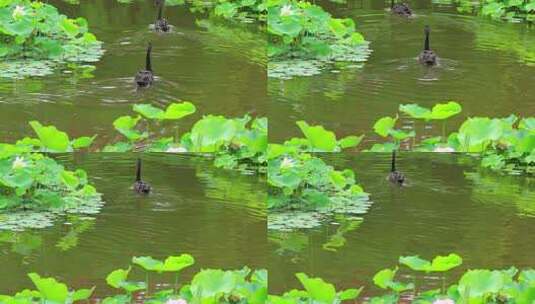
414 282
176 283
147 286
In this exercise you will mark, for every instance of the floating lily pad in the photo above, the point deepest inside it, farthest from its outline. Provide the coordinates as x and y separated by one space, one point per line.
289 68
36 39
291 220
23 220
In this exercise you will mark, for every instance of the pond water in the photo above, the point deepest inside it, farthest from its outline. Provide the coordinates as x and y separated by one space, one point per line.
215 215
220 69
449 205
487 66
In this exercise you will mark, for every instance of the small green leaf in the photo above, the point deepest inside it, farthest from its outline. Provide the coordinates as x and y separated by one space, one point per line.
415 263
149 111
445 263
83 142
444 111
70 179
350 141
50 289
82 294
317 289
178 110
50 137
117 277
349 294
415 111
319 138
384 125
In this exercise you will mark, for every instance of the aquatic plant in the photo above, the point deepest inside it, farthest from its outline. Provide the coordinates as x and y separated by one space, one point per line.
207 286
35 38
303 181
34 189
302 37
232 10
512 10
505 144
247 286
234 142
243 11
316 290
316 139
474 286
48 290
301 29
304 186
384 127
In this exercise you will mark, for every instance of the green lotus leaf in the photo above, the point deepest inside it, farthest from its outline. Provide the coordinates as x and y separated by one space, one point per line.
117 277
319 138
384 126
317 289
51 138
350 141
148 263
415 111
444 111
178 110
50 289
83 142
415 263
149 111
82 294
445 263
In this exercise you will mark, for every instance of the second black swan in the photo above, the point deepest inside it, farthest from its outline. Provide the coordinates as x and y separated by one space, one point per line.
395 176
139 185
427 56
144 78
400 9
161 24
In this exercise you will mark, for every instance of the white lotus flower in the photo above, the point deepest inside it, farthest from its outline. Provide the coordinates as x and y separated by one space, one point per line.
176 150
19 163
18 12
287 163
176 301
444 149
444 301
286 10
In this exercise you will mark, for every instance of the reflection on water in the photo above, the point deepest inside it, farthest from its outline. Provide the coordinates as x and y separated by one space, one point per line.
451 205
216 215
486 66
219 67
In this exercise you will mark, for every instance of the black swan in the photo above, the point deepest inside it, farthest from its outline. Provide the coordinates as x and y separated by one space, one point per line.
144 78
427 56
400 9
161 24
395 176
140 186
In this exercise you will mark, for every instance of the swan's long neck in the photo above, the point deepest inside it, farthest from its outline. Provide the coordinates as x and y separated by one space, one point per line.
148 66
426 44
160 9
138 170
393 161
